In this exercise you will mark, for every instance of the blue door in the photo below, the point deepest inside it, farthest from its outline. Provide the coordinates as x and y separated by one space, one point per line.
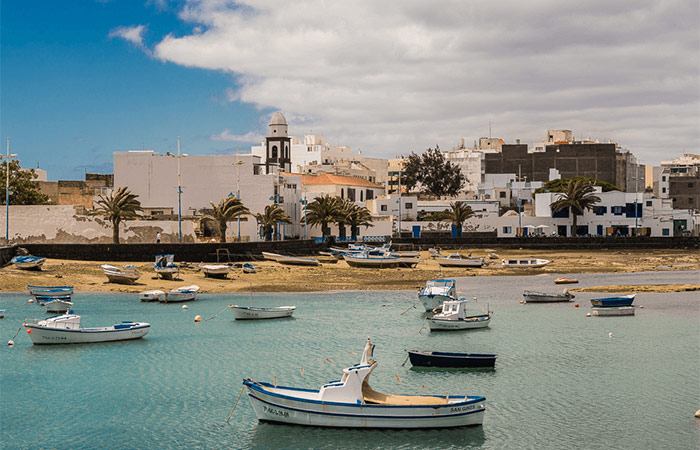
416 231
600 230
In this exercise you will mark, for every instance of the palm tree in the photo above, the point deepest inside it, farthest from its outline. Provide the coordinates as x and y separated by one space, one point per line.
322 211
344 209
358 216
273 214
228 209
577 197
457 214
116 207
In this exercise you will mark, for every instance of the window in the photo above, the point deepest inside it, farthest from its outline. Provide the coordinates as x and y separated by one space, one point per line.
273 155
617 210
665 232
369 195
383 208
663 178
351 194
690 185
663 190
600 210
361 195
648 202
409 205
342 193
506 230
502 194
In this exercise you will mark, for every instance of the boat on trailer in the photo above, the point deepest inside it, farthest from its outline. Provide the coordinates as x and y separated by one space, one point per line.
215 270
454 317
352 403
253 312
126 275
165 267
544 297
457 260
524 263
66 329
607 302
436 292
50 290
448 359
28 262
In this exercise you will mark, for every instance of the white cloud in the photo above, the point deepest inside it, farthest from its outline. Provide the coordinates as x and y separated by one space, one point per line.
227 136
133 34
392 77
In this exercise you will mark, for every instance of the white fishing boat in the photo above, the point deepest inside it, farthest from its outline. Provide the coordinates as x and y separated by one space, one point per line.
352 403
152 296
531 263
614 311
544 297
58 305
270 256
50 290
297 261
42 300
215 270
165 267
28 262
126 275
66 329
436 292
457 260
454 317
254 312
369 261
181 294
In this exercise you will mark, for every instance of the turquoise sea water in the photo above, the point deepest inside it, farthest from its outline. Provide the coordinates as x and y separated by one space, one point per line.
560 381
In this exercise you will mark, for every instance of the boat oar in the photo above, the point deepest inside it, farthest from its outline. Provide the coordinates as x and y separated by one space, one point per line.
235 404
397 378
422 326
412 306
404 361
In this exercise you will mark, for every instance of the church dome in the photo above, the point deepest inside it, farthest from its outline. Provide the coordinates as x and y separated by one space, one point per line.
278 119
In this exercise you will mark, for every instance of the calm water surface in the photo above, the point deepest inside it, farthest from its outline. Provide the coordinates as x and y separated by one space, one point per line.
560 381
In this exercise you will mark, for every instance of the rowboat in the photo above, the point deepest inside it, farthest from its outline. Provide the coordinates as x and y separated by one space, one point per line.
368 261
165 266
614 311
126 275
622 300
562 280
58 305
248 268
531 263
42 300
457 260
455 317
352 403
270 256
28 262
152 296
253 312
297 261
215 270
446 359
2 313
436 292
50 290
66 329
543 297
181 294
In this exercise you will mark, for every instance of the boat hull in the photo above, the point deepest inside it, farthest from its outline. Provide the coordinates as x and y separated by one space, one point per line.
167 273
459 324
219 272
58 306
294 261
433 302
565 281
152 296
371 263
50 290
445 359
612 302
539 297
619 311
446 262
122 279
46 336
179 297
269 407
253 313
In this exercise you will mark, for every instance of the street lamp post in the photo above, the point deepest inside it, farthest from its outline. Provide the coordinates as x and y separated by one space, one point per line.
179 189
399 202
636 210
238 165
7 189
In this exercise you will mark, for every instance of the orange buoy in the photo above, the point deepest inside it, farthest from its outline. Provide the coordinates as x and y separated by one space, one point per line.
29 331
197 318
575 305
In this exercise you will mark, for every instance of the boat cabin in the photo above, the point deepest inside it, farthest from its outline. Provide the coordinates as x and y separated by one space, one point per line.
439 287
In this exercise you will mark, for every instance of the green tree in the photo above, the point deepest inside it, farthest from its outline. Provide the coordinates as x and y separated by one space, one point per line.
357 216
578 196
560 185
272 215
228 209
435 175
458 213
116 207
322 211
23 189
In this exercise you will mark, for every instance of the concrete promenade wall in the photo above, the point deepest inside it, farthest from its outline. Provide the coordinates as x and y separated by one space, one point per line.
550 243
244 251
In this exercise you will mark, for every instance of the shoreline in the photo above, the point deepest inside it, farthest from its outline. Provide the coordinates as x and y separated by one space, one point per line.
273 277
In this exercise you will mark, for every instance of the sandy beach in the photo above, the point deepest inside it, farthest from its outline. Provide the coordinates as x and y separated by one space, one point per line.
274 277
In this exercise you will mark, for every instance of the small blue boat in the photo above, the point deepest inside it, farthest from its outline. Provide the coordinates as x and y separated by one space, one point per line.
248 267
623 300
50 290
445 359
28 262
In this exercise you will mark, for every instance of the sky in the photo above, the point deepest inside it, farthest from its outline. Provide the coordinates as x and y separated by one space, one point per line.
81 79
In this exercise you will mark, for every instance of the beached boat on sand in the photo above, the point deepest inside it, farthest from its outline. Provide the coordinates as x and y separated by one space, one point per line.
215 270
181 294
436 292
66 329
28 262
165 267
248 267
253 312
369 261
351 403
454 317
126 275
447 359
524 263
270 256
543 297
297 261
457 260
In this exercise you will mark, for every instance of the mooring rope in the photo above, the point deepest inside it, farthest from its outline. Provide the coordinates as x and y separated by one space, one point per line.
236 404
218 313
13 337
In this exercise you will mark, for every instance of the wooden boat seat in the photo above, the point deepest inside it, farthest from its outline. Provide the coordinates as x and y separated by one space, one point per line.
371 396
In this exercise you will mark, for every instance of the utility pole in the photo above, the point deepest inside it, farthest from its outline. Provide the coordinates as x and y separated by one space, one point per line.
238 188
399 202
7 189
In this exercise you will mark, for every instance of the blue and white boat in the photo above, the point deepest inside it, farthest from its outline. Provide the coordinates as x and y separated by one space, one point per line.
2 313
248 267
28 262
351 403
374 261
50 290
42 300
454 316
608 302
436 292
66 329
165 267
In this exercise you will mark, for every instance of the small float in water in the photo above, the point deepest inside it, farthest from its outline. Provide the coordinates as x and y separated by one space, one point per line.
562 280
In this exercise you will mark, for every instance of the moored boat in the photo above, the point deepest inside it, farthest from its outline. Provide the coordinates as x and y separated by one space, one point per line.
2 313
126 275
436 292
28 262
562 280
154 295
447 359
66 329
607 302
181 294
58 305
454 317
614 311
352 403
526 263
543 297
457 260
165 267
50 290
253 312
42 300
215 270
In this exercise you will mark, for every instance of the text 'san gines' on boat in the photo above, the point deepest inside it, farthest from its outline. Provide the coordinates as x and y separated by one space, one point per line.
66 329
457 260
544 297
454 316
352 403
455 360
121 275
436 292
28 262
181 294
165 267
215 270
524 263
